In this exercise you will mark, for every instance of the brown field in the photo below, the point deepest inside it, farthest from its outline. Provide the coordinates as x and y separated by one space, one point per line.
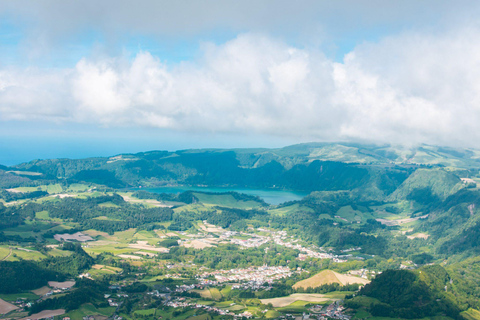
41 291
65 284
45 314
328 277
171 234
197 244
209 227
6 307
285 301
145 246
109 268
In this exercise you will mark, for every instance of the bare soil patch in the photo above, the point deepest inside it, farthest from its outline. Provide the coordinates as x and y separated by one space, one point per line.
45 314
143 245
210 227
285 301
6 307
64 284
42 291
328 277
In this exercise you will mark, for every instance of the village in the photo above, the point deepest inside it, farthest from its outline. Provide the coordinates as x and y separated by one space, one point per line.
253 275
258 238
321 312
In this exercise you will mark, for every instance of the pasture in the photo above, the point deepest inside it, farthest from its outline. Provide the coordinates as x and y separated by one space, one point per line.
90 310
226 200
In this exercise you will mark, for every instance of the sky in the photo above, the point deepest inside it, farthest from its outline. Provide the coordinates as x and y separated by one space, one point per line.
98 78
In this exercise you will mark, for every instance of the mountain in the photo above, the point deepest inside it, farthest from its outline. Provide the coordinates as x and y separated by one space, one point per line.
290 167
373 208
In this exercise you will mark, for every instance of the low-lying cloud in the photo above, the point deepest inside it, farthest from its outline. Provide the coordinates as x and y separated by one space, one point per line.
410 88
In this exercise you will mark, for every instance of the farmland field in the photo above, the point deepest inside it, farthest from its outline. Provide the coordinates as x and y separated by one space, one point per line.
328 277
6 307
309 297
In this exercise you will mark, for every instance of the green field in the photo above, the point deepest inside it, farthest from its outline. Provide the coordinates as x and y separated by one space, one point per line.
283 211
89 310
150 236
113 249
108 205
51 188
77 187
225 291
43 215
15 296
271 314
226 200
471 314
18 253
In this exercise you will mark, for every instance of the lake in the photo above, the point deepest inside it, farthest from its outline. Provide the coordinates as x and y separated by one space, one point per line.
268 195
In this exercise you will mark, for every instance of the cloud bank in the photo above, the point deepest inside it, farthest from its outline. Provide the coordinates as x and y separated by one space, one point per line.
410 88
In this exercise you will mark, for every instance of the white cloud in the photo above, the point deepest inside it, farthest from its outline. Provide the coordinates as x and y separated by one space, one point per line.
406 89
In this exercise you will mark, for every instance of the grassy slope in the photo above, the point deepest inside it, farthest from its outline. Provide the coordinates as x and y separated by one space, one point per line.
327 277
442 184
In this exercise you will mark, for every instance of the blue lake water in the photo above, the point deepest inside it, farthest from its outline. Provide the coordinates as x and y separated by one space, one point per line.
269 196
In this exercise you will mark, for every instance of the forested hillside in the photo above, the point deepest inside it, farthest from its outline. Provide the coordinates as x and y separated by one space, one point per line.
406 219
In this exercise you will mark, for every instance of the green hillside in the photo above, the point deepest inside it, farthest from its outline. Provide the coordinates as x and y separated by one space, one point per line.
426 185
412 294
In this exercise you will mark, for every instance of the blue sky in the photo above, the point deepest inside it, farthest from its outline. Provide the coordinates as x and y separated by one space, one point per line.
89 78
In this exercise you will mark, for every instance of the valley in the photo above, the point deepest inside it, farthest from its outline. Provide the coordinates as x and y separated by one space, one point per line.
317 230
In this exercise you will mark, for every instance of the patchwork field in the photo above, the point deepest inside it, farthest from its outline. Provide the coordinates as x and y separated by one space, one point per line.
64 284
143 245
308 297
197 244
17 253
210 293
42 291
45 314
